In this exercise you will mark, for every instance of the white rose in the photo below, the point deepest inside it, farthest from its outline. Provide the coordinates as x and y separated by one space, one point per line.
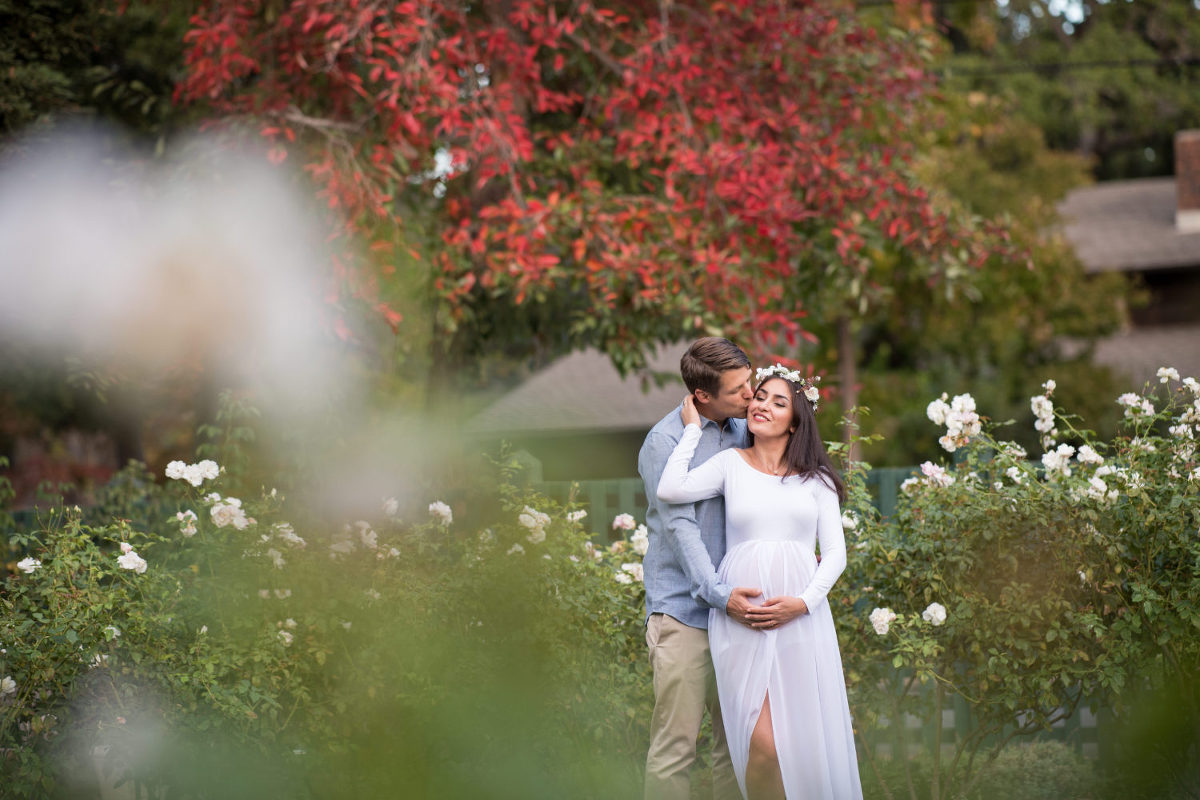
441 512
1167 374
812 393
634 569
935 614
576 516
640 541
175 470
7 686
624 522
29 565
623 577
133 561
881 619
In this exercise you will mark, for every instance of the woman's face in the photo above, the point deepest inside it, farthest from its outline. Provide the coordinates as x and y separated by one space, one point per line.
770 412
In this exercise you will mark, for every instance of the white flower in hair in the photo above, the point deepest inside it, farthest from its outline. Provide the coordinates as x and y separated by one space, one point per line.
811 392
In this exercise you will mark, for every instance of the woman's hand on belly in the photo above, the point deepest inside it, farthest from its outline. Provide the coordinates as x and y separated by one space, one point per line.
775 612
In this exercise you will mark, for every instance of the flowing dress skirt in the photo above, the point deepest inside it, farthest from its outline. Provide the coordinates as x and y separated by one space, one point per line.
798 664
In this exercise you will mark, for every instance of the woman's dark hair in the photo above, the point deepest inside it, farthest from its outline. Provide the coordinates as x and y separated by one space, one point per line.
805 453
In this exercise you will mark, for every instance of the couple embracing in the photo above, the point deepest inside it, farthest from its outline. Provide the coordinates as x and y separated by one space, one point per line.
740 491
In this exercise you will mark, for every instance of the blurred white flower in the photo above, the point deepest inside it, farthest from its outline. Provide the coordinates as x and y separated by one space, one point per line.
7 686
285 532
133 561
634 569
576 516
367 535
29 565
195 474
276 558
113 631
935 614
391 506
288 623
286 638
441 512
936 475
1087 455
536 522
1058 461
1192 384
126 547
849 520
640 541
624 522
187 522
1167 374
100 660
265 594
516 549
623 577
203 630
283 594
229 512
373 594
937 410
1050 386
881 620
909 484
1016 475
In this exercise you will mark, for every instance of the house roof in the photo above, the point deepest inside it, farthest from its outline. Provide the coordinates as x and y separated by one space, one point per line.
1138 353
584 392
1128 226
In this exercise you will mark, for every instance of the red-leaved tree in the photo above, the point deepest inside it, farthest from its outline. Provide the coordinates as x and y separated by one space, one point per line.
606 172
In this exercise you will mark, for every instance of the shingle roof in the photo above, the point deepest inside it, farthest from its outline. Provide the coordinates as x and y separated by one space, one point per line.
1128 225
584 392
1140 352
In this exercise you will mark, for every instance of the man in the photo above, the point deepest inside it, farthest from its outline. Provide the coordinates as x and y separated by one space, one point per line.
687 542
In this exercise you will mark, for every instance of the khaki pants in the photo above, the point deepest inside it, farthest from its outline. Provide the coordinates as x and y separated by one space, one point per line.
684 686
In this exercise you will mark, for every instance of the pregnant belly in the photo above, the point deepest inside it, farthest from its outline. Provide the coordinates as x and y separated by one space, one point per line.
774 566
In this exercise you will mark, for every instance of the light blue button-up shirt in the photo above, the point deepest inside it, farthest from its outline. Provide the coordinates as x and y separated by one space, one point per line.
687 541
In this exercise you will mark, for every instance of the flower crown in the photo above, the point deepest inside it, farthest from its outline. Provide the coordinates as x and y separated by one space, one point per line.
808 386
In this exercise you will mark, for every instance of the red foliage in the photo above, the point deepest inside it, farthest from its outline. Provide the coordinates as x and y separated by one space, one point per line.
680 166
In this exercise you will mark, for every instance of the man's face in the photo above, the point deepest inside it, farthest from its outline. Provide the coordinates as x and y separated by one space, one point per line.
731 400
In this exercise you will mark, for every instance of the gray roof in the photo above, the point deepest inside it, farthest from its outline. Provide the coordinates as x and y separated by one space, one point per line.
584 392
1139 353
1128 226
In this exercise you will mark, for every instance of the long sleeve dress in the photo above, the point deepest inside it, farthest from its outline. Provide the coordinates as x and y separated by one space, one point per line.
771 528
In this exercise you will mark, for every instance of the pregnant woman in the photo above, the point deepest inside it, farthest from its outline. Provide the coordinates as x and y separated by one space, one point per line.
780 682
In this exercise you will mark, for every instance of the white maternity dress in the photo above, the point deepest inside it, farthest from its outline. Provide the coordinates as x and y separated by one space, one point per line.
771 527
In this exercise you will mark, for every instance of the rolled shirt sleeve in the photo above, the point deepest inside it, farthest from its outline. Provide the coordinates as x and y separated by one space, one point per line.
680 530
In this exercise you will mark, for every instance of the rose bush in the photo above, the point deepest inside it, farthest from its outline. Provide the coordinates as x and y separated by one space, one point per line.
205 637
235 647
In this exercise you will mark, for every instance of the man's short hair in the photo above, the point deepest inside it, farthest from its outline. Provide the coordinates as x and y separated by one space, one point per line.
703 363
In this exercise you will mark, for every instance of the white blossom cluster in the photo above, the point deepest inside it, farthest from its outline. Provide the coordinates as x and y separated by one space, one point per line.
195 474
640 541
441 512
1135 405
130 559
958 416
1167 374
624 522
1043 409
29 565
536 521
934 614
187 522
931 475
881 620
7 686
1058 461
228 511
391 507
576 516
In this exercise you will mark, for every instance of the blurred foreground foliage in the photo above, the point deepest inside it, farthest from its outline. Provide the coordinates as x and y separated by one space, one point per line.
483 647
